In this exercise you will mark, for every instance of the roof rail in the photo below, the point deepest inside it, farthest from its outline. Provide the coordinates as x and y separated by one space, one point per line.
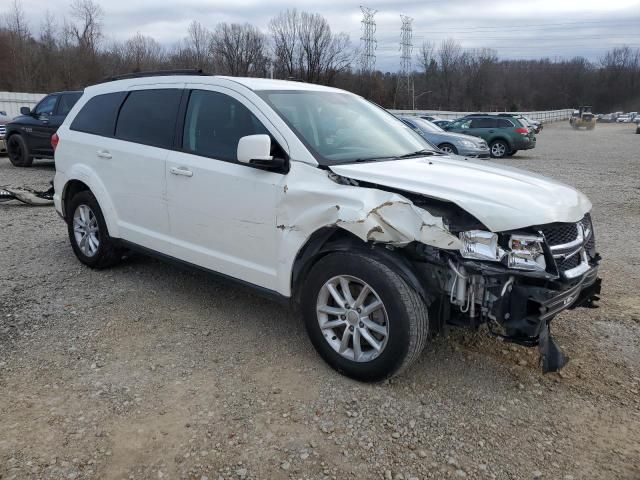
155 73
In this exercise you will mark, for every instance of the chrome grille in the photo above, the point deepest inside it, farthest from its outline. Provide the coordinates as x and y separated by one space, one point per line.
3 131
560 233
570 243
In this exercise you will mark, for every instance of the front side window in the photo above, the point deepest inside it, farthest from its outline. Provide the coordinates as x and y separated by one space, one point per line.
46 106
98 116
149 117
214 124
463 124
341 127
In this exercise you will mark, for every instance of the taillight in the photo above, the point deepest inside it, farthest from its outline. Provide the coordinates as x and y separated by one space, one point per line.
55 139
522 130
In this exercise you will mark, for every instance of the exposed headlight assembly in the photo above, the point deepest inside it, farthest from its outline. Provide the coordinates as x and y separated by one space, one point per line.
525 252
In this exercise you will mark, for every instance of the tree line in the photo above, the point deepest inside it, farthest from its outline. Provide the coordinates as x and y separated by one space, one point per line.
73 52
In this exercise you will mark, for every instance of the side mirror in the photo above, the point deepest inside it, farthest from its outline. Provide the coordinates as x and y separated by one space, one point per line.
25 111
255 150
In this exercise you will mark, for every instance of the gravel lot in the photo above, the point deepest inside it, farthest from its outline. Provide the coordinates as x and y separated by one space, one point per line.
146 371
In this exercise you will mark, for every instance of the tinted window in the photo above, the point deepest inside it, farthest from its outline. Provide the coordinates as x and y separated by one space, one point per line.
215 123
503 123
149 117
46 106
67 101
483 123
98 116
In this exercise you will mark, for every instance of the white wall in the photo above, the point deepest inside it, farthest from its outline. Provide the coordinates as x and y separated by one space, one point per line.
11 102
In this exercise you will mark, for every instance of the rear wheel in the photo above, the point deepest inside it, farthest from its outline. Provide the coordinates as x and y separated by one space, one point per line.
88 232
362 317
448 148
499 149
18 151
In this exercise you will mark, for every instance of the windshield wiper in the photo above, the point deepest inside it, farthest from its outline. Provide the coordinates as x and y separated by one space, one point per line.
419 153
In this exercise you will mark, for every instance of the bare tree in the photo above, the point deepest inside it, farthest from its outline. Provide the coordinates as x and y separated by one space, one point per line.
198 45
285 37
240 49
449 55
19 37
87 29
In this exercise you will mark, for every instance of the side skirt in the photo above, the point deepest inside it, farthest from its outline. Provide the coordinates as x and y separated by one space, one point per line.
261 291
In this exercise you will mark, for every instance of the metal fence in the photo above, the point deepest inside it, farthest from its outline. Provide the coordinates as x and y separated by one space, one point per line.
544 116
11 102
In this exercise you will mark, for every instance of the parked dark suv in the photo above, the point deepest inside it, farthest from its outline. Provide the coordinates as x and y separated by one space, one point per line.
505 135
28 136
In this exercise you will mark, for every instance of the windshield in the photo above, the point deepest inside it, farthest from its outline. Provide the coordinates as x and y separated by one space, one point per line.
426 125
341 127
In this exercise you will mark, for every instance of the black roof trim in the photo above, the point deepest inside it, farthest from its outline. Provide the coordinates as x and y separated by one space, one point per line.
156 73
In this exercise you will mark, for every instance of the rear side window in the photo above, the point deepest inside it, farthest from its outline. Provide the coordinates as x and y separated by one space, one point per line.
149 117
98 116
483 123
67 101
502 123
214 124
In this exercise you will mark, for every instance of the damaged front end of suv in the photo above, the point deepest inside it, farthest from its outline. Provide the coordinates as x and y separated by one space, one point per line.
515 280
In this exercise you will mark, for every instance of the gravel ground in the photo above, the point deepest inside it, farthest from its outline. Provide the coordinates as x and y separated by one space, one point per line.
146 371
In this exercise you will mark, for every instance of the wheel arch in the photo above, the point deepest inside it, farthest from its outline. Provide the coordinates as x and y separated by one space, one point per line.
81 180
327 240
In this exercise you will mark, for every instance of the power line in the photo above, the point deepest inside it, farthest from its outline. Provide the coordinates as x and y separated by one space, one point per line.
368 40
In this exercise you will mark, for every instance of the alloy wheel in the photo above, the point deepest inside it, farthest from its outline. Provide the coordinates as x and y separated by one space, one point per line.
86 230
498 149
352 318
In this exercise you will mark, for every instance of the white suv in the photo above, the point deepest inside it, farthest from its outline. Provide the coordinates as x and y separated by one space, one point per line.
316 196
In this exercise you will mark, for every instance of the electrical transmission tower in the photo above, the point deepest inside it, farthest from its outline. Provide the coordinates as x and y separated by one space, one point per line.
368 40
405 78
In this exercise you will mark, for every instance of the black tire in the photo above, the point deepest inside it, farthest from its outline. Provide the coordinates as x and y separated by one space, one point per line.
406 314
18 151
448 148
107 253
499 149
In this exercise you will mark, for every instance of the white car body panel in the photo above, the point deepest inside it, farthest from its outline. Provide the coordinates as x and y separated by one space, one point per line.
501 197
251 224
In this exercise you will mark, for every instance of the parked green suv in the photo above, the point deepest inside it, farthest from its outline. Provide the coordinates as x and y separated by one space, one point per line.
504 135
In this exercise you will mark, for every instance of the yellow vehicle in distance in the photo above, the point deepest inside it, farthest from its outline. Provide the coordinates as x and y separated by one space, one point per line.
583 117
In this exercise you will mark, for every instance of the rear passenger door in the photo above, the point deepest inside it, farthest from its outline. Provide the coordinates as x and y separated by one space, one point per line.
483 127
222 212
130 134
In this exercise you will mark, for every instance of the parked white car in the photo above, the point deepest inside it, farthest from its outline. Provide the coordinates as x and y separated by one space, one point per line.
317 197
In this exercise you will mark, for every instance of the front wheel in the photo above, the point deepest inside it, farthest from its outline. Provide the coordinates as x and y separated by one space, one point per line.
362 317
448 148
18 151
499 149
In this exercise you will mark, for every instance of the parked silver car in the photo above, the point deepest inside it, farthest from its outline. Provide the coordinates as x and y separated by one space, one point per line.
456 143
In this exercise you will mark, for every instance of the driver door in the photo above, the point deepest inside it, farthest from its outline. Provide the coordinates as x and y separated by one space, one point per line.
222 213
37 130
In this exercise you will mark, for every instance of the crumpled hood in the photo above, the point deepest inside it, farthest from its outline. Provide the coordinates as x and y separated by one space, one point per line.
501 197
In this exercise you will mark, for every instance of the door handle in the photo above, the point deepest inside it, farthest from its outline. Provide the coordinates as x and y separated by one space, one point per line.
103 154
181 171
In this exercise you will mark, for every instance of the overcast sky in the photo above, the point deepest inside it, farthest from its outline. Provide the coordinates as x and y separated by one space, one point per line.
514 28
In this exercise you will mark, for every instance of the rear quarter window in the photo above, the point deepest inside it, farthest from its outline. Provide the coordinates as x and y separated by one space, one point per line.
503 123
149 117
66 102
98 116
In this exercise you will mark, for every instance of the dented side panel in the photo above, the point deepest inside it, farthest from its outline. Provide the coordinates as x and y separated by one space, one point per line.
311 201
